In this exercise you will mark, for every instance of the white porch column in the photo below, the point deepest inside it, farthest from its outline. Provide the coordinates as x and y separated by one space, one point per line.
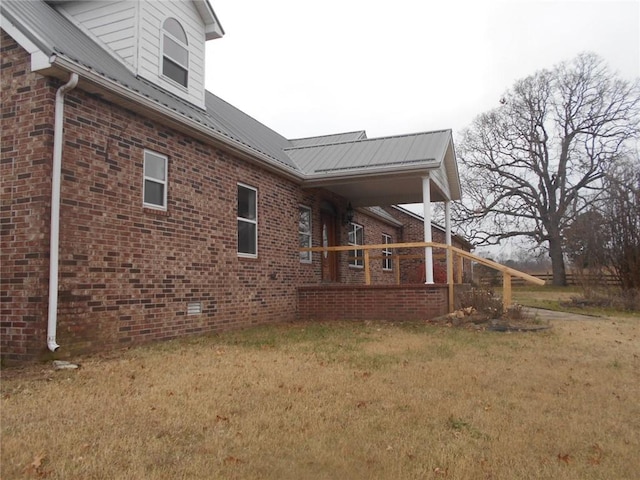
447 236
428 255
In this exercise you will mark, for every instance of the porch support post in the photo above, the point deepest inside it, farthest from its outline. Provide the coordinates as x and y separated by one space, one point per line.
428 255
450 256
447 236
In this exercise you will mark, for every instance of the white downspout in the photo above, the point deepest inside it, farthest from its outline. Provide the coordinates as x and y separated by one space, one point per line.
56 176
428 255
447 237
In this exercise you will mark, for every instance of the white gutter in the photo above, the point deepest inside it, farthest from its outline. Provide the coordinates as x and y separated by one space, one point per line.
56 175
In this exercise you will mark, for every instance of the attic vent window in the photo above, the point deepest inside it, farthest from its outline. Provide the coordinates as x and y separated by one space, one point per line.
175 52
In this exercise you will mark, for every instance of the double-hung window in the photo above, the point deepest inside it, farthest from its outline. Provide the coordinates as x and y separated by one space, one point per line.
356 237
247 221
155 180
175 52
387 264
304 233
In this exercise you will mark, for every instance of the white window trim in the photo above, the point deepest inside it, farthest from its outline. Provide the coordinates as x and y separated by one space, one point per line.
353 227
309 234
386 253
242 254
164 183
173 82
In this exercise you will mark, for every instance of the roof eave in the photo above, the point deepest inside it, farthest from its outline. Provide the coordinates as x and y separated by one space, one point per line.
213 27
388 220
335 177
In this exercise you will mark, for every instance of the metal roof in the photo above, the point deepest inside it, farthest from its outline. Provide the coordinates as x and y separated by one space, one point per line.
426 149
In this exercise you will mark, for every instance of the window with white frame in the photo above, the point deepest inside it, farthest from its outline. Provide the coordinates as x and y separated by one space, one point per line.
175 52
155 180
247 221
356 237
387 263
304 232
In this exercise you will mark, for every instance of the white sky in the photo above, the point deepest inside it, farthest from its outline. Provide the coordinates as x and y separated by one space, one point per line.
311 67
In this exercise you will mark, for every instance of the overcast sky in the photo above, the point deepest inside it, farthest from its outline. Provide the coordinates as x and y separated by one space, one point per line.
310 67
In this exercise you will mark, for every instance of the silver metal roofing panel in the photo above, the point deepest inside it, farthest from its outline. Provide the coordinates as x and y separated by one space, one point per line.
364 153
328 139
393 150
426 143
421 148
340 154
245 128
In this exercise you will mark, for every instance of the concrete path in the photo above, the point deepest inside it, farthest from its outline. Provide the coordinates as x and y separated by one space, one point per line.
543 314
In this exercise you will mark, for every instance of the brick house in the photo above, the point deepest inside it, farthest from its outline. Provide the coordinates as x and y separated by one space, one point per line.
153 209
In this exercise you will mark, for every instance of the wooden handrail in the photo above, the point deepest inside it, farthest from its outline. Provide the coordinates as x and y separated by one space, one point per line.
507 272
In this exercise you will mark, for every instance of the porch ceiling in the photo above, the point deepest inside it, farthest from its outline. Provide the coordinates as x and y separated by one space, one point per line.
384 189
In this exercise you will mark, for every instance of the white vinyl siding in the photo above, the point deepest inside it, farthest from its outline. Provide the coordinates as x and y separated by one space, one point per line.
439 177
114 23
152 17
132 29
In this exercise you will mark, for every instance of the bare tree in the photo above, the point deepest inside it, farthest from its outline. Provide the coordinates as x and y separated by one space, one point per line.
622 213
531 165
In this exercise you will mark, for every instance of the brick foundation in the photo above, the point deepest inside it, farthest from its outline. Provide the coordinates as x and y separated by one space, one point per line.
371 302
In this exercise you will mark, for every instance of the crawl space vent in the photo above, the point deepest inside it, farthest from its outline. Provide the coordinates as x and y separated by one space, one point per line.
194 308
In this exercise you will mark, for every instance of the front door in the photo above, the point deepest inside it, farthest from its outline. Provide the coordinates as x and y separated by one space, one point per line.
330 271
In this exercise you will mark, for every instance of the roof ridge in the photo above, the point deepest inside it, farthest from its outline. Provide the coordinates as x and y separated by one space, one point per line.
344 142
327 135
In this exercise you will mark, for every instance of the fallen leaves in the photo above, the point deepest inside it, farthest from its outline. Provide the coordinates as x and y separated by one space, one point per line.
232 460
594 458
596 455
441 472
36 467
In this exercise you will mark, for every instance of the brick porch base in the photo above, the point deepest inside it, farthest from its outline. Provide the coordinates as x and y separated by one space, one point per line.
371 302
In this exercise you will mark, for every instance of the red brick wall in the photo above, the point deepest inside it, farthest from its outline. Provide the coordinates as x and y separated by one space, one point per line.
374 302
127 272
373 230
26 113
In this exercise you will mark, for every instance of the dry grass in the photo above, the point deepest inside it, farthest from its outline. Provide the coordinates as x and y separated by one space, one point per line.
555 298
337 401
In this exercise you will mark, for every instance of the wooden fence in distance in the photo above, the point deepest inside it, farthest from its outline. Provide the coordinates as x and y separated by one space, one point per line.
573 279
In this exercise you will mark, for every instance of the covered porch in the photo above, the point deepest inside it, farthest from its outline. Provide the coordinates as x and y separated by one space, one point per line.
416 168
419 168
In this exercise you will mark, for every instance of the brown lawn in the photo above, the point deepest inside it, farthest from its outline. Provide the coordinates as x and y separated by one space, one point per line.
339 401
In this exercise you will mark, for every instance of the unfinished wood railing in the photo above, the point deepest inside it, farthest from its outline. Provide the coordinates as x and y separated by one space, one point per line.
451 252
